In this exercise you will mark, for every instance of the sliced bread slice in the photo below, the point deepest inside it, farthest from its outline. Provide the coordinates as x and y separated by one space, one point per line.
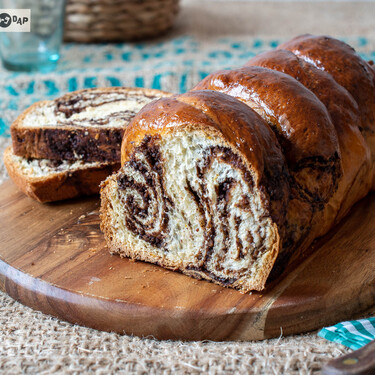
85 125
51 180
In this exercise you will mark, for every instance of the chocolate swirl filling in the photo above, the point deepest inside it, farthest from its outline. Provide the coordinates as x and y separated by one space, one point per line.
219 208
80 102
143 195
116 107
221 194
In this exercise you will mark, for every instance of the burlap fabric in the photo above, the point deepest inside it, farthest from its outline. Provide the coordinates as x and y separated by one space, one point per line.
33 343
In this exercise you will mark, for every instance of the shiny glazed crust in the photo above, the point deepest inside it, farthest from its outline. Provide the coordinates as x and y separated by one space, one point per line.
345 66
349 70
279 99
355 153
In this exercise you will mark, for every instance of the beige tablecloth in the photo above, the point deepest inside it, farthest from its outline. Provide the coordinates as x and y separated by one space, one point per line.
33 343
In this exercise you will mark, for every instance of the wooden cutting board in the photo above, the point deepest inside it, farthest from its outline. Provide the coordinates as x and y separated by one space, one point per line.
53 258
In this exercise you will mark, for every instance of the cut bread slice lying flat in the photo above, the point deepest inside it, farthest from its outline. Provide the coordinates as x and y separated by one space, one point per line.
85 125
50 180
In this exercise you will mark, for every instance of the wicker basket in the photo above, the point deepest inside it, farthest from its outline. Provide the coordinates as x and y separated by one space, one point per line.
117 20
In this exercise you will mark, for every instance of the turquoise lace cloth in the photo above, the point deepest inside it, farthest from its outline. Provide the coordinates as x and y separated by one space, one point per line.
174 65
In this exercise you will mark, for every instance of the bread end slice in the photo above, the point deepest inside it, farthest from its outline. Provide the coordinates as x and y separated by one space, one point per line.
47 181
155 210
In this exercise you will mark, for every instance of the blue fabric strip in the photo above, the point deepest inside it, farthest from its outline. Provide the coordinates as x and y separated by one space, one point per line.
175 64
353 334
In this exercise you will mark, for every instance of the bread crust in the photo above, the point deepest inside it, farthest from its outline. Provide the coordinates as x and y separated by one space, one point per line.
349 70
355 153
346 67
59 186
91 144
279 98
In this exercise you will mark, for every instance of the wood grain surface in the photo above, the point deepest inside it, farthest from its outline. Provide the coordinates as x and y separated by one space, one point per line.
53 258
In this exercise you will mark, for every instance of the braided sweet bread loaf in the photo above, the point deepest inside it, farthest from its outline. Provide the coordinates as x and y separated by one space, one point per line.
241 174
